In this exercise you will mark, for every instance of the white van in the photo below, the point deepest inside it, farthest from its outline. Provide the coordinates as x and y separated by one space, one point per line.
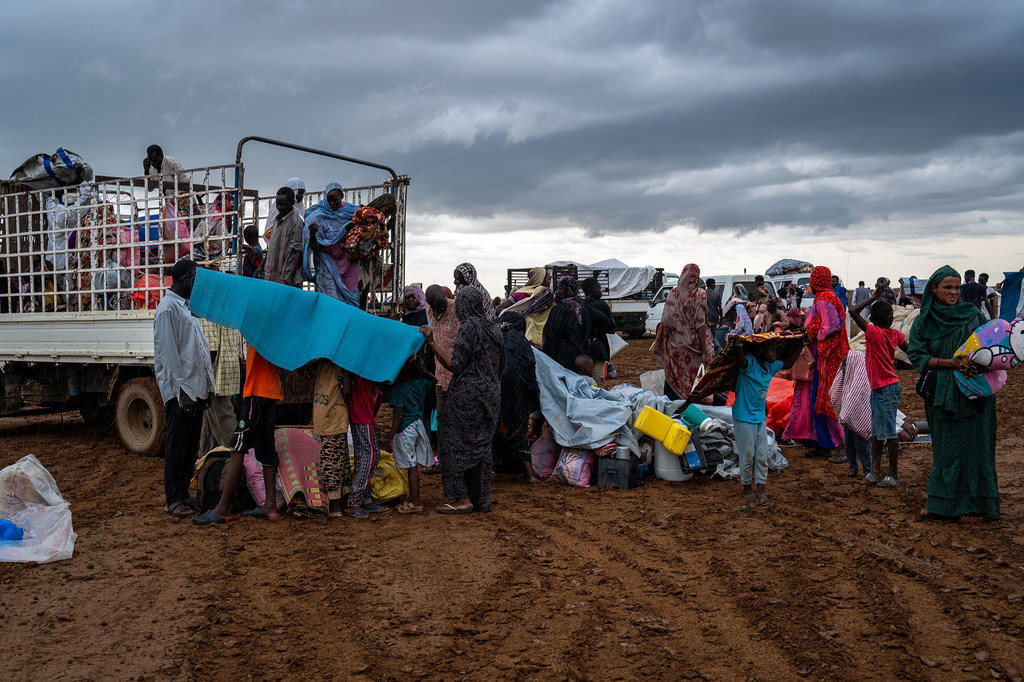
723 285
803 280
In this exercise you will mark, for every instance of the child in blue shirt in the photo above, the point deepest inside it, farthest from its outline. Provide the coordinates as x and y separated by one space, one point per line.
757 366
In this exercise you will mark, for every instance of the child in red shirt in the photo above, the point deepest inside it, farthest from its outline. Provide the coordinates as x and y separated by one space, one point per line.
881 342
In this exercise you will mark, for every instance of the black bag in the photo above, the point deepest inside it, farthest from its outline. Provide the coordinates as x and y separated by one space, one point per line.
209 484
926 384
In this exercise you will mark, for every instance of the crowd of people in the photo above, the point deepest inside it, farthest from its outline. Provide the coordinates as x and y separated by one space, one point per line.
475 375
845 402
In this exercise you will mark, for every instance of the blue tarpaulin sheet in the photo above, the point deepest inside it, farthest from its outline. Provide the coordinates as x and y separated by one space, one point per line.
290 327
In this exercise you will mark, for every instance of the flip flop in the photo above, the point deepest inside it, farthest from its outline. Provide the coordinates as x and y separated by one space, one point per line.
449 509
258 513
377 509
209 517
409 509
889 482
357 513
837 459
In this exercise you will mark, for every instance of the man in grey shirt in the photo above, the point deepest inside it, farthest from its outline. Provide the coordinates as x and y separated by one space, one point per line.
861 293
184 375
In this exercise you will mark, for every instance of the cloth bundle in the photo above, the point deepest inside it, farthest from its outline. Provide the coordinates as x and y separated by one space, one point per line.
787 266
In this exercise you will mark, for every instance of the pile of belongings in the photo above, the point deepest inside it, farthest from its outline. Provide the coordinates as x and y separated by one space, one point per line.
623 281
47 171
788 266
903 317
586 422
718 438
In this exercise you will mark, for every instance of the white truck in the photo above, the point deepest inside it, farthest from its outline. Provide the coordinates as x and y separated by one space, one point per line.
627 290
80 279
723 284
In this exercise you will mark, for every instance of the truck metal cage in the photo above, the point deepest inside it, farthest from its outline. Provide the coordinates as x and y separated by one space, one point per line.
82 268
518 277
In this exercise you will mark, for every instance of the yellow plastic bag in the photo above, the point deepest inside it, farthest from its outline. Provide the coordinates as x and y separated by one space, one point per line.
388 483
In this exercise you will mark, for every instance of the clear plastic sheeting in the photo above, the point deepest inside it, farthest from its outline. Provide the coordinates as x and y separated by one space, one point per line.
30 499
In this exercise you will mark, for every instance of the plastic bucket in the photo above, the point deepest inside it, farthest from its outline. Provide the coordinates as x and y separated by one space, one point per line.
667 466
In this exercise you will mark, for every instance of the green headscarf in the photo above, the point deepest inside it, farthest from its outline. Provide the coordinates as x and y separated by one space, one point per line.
937 332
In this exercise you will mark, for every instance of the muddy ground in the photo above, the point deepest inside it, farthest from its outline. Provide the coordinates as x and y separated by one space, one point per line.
671 580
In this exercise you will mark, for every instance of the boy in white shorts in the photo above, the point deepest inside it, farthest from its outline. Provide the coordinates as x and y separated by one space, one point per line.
410 441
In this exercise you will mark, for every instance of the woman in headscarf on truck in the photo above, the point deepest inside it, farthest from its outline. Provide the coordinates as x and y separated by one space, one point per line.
684 339
812 418
326 224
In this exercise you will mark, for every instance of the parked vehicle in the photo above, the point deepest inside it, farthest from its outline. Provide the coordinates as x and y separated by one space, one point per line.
627 290
723 284
77 297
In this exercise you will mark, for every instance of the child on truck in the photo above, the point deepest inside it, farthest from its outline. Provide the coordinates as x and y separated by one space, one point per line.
880 344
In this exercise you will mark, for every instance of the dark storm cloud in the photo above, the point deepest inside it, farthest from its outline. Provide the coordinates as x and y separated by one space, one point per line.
609 115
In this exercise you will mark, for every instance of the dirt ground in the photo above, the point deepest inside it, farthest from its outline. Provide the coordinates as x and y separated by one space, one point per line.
671 580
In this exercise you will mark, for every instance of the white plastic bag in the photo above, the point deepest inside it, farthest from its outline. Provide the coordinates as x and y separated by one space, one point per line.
30 499
616 344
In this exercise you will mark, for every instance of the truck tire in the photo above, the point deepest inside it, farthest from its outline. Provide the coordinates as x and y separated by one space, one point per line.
636 333
140 417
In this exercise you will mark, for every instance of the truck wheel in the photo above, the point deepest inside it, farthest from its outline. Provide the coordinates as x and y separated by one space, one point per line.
636 333
140 417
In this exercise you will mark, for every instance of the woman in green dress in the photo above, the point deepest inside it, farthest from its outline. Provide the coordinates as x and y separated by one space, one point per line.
963 479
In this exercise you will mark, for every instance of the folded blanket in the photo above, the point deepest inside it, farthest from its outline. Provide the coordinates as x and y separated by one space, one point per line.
289 326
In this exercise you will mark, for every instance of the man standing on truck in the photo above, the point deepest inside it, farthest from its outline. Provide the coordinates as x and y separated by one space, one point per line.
283 263
184 375
162 171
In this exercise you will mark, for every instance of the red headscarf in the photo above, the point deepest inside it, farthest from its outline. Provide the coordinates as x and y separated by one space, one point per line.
684 317
832 350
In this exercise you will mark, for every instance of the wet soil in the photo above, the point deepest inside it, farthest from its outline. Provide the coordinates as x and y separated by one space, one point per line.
670 581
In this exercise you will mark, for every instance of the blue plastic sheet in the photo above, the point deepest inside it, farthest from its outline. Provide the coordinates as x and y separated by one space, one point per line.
290 327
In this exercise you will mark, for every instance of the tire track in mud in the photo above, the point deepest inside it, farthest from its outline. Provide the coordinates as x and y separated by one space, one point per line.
662 603
881 574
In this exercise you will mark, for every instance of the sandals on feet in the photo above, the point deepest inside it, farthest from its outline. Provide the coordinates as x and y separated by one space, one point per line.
258 513
889 482
409 508
210 517
452 509
179 508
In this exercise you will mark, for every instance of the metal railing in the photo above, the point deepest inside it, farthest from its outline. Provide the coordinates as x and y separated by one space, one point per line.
108 245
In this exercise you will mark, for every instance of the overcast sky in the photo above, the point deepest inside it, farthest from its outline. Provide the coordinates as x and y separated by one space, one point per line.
873 137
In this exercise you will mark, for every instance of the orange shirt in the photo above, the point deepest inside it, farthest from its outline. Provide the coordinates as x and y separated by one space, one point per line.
261 378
